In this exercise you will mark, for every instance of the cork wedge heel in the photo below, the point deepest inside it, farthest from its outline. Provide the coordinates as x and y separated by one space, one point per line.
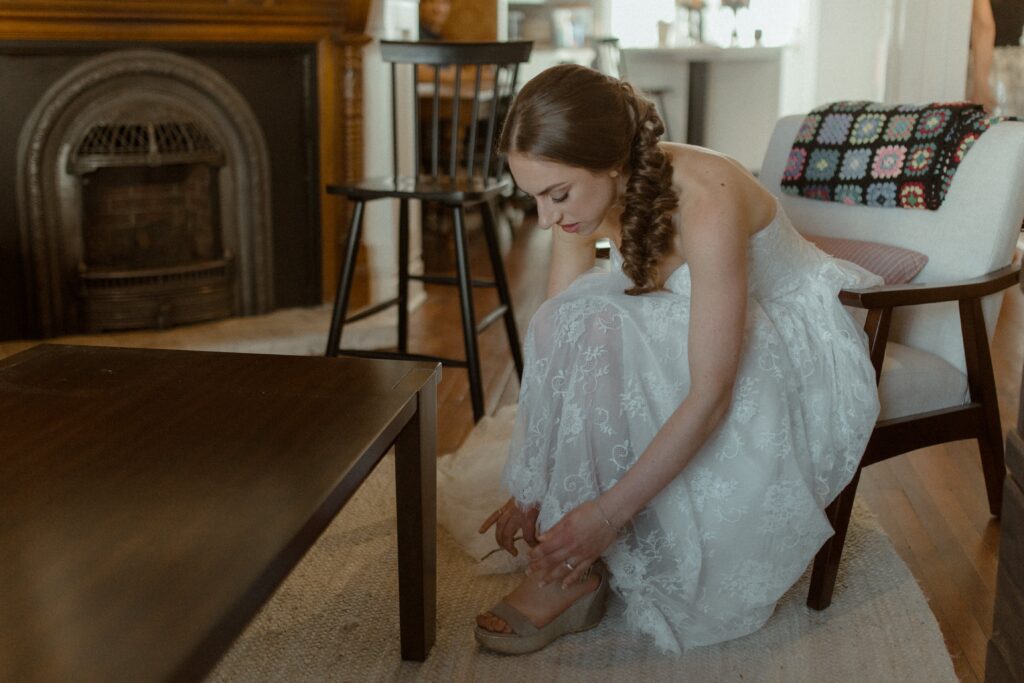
582 615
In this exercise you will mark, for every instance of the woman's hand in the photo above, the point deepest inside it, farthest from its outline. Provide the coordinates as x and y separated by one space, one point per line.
567 549
507 520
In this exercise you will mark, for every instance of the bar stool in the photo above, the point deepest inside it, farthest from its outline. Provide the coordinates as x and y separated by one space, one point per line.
459 172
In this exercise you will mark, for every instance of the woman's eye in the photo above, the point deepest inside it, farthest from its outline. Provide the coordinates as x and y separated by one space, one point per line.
560 199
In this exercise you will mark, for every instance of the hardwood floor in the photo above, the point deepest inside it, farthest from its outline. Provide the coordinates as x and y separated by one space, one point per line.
931 502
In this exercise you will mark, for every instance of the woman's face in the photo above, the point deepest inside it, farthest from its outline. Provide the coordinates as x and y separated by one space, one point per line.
434 13
573 198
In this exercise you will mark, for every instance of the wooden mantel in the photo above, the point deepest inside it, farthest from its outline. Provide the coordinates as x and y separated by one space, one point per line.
337 27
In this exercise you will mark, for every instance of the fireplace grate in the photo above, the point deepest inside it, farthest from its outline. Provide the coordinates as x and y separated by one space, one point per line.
154 143
156 297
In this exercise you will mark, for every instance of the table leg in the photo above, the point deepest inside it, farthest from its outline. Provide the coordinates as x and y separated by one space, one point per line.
416 485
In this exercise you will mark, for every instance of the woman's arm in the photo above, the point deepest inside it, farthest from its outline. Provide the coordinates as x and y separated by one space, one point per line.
717 225
571 256
983 38
715 243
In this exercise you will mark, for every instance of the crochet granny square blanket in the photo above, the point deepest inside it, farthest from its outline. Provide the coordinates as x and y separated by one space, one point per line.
882 155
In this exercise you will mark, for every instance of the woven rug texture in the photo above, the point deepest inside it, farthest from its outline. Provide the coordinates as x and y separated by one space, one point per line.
336 619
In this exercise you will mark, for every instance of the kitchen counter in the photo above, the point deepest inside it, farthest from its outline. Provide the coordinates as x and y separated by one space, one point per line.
707 53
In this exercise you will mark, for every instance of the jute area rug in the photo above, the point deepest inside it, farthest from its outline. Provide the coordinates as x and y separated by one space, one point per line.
335 618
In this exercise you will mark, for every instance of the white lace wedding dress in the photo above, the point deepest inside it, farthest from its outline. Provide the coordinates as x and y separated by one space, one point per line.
709 557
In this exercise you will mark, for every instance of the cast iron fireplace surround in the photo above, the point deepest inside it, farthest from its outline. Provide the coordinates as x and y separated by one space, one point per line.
207 152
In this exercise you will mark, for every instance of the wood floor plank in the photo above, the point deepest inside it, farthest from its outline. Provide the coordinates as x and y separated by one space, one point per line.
953 558
978 545
965 641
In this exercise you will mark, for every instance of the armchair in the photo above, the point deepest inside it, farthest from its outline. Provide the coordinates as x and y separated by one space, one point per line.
928 339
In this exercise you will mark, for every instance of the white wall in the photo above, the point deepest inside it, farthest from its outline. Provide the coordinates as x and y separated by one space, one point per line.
928 50
395 20
852 49
884 50
838 52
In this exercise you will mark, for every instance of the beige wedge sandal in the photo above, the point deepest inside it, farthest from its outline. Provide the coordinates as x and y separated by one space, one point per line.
582 615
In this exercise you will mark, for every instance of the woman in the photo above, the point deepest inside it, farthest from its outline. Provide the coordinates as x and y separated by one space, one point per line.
433 15
686 416
996 77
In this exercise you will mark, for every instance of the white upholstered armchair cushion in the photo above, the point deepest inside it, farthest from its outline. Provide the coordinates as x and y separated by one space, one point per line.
973 233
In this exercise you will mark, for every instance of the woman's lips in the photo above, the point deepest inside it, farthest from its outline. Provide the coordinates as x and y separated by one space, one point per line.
572 227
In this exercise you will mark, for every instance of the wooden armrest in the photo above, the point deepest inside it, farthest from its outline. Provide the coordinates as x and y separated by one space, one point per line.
887 296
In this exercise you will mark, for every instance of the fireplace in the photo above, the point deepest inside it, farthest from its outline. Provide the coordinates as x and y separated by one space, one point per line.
144 196
295 69
152 250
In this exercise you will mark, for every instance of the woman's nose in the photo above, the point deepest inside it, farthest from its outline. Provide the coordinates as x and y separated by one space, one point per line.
547 215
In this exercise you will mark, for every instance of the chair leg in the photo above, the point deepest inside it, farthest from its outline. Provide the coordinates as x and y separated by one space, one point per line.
348 269
826 562
982 383
476 392
990 446
504 297
403 276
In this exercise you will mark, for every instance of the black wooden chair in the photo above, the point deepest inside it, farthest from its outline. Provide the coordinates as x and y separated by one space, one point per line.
610 61
465 87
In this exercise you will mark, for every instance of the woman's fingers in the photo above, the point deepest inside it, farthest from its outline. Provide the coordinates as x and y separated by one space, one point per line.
564 570
548 559
566 541
576 574
558 536
489 522
530 527
507 521
506 533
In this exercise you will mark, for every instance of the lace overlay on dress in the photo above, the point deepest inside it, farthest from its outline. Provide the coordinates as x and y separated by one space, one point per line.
712 553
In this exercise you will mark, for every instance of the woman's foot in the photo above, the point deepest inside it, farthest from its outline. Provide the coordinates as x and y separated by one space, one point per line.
540 604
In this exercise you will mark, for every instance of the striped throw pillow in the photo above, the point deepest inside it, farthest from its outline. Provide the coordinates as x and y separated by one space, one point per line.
896 265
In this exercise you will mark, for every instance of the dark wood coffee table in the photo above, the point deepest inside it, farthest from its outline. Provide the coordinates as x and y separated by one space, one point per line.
151 501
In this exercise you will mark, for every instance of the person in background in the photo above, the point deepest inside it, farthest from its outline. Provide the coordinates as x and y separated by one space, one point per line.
996 76
983 35
433 15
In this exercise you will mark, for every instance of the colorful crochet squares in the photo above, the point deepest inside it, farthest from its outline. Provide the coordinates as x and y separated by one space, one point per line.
881 155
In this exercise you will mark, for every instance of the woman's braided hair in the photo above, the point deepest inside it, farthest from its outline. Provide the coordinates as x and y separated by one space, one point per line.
573 115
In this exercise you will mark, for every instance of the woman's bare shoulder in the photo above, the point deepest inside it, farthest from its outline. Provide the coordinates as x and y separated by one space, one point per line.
715 189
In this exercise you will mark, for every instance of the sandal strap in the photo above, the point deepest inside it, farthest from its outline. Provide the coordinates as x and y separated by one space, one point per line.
514 618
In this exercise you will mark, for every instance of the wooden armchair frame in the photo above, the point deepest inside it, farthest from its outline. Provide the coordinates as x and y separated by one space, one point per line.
976 419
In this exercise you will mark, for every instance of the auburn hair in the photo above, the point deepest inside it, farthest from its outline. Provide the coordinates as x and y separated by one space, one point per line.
580 117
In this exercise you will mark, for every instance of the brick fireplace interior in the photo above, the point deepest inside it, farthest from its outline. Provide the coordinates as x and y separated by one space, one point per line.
152 249
136 218
140 212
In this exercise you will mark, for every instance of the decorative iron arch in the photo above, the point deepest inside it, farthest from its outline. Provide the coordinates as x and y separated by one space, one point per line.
49 201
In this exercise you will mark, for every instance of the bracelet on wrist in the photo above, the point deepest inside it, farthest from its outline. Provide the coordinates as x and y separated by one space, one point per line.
616 529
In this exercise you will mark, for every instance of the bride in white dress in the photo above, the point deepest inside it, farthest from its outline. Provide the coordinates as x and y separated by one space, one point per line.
685 417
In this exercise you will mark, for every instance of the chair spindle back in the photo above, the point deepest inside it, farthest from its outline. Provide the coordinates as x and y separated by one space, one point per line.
439 70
